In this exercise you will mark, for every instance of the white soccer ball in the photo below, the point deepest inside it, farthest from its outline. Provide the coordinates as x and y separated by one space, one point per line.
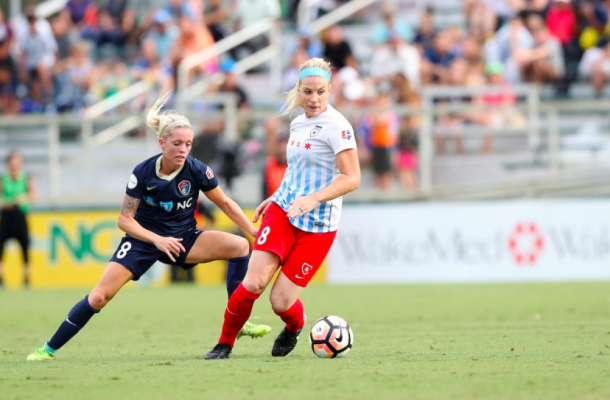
331 337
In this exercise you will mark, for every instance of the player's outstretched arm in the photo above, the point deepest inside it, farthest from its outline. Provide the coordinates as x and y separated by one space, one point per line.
129 225
349 180
231 209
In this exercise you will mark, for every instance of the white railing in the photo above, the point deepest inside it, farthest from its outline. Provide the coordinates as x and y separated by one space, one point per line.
43 10
187 91
89 141
339 14
547 130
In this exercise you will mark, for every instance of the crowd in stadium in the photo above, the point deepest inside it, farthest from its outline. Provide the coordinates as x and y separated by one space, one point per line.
92 49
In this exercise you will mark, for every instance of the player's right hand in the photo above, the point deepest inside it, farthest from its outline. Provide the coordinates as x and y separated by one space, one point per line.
169 246
261 210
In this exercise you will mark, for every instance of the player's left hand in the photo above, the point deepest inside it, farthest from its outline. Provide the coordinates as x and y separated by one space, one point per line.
253 232
301 206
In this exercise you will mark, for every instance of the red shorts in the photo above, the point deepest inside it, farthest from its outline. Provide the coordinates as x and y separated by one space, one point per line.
301 253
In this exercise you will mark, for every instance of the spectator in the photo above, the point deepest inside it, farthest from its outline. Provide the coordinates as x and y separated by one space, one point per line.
75 77
36 47
111 76
149 67
78 9
501 48
382 130
527 8
6 33
435 65
9 104
408 130
594 17
496 115
561 21
596 65
215 16
275 167
292 73
64 35
250 12
116 8
389 24
544 63
163 33
424 36
192 39
337 50
395 57
308 43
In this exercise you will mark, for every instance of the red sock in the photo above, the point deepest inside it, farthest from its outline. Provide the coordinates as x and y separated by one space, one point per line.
293 317
237 313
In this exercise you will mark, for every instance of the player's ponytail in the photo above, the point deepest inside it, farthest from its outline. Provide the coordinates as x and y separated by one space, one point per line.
163 122
292 100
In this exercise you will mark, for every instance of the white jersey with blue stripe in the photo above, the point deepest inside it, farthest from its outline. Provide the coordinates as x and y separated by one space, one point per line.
312 165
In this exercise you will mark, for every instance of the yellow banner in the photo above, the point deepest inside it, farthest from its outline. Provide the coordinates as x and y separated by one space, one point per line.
71 249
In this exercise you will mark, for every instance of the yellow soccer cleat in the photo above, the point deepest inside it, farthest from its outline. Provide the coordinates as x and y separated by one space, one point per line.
40 354
253 330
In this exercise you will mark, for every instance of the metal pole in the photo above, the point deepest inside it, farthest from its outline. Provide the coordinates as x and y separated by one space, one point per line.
15 8
553 139
425 147
276 62
87 138
533 103
230 100
54 166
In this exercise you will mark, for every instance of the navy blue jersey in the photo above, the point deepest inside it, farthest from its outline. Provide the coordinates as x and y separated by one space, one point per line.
167 203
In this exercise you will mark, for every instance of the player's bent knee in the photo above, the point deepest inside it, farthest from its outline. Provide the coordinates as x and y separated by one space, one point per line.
241 247
98 300
255 284
279 303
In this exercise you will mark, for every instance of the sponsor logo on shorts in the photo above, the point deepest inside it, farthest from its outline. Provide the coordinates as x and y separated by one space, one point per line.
305 269
184 187
314 132
167 205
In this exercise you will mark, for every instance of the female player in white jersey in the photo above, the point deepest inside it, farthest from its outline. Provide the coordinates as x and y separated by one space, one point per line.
163 226
301 218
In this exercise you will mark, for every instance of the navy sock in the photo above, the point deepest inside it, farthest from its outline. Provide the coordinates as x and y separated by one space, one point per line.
236 271
77 318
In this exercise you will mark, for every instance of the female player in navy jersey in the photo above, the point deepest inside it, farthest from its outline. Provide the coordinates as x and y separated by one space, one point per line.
157 216
301 217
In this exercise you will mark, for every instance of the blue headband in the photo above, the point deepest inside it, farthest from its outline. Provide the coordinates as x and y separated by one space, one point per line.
314 72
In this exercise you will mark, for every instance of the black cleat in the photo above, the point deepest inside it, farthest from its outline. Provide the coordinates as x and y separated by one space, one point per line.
286 342
219 352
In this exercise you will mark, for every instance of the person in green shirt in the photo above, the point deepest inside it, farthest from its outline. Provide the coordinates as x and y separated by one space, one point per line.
16 193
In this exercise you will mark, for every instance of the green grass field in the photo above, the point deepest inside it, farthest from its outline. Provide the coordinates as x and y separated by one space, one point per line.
536 341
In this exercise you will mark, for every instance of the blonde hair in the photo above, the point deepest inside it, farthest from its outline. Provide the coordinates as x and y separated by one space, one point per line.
163 122
292 100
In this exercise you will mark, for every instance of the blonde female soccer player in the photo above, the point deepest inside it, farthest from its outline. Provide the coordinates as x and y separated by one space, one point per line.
301 218
157 216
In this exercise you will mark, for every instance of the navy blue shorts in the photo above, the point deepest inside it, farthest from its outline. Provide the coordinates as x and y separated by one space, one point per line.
138 256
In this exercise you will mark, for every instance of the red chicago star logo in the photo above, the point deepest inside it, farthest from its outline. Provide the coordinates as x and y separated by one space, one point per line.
292 143
298 144
526 244
307 146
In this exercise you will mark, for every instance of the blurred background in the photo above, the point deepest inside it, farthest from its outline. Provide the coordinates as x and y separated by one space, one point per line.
482 126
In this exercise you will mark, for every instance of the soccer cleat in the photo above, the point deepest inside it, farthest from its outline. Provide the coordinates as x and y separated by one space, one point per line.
40 354
253 330
219 352
286 341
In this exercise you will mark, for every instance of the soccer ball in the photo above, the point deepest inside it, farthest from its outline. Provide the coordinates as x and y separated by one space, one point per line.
331 337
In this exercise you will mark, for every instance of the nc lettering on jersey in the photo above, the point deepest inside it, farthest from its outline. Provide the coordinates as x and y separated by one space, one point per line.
185 204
